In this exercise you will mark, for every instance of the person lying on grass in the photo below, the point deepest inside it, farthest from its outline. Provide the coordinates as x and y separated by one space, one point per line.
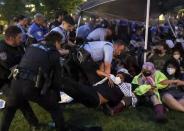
147 85
101 93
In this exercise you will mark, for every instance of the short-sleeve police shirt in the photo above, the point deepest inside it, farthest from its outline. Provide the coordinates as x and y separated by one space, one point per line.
37 32
64 33
100 51
98 34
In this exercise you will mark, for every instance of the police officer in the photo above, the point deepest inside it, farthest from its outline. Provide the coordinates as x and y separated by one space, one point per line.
37 78
37 31
22 23
102 33
58 20
11 52
10 55
65 28
98 56
84 30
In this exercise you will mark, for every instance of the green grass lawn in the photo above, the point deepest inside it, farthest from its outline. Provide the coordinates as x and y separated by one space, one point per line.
1 36
129 120
140 119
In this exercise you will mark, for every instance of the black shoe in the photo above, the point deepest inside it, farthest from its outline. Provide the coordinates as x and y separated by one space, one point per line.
117 109
160 115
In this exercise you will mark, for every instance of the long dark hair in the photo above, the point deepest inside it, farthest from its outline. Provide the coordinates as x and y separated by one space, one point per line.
176 66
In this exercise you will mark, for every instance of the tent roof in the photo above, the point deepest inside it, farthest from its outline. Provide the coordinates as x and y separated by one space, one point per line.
128 9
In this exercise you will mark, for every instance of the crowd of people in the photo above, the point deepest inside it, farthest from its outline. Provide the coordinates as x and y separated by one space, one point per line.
99 64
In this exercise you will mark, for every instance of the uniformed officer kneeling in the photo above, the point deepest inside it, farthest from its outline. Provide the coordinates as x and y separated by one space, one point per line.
36 79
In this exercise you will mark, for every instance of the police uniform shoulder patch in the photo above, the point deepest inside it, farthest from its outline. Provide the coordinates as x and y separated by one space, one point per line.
39 33
3 56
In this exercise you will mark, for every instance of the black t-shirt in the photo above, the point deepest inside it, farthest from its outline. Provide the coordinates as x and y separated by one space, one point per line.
113 94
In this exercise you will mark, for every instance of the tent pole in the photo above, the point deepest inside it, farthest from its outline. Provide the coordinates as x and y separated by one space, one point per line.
168 20
147 27
78 24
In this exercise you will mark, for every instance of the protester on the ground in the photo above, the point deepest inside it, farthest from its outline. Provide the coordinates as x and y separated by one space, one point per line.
102 93
147 84
160 56
173 95
178 56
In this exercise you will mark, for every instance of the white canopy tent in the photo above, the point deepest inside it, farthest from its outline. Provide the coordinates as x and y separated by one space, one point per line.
136 10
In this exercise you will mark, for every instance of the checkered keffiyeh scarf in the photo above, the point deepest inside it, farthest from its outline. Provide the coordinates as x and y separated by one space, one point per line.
126 88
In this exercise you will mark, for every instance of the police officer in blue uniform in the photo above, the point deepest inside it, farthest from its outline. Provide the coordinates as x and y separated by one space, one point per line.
84 30
22 23
37 79
58 20
97 57
10 55
37 31
102 33
65 28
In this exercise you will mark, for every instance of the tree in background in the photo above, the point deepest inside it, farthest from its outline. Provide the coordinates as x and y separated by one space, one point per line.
11 8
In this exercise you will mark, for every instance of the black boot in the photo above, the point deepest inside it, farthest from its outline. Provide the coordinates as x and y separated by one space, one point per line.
118 108
160 115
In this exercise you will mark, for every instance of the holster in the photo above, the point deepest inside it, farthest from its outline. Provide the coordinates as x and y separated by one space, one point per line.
25 74
42 80
47 83
83 55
